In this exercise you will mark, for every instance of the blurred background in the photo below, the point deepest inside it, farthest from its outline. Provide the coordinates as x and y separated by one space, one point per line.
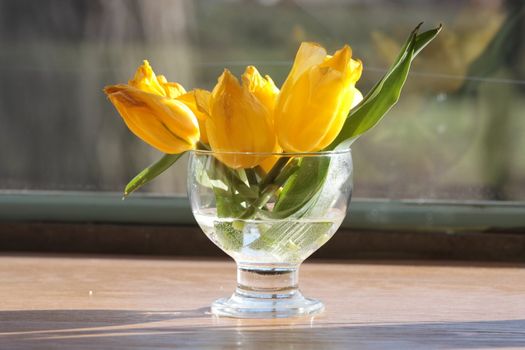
457 134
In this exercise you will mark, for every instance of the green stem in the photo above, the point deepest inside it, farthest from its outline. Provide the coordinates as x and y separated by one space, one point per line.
252 177
229 176
202 146
277 176
260 171
274 171
287 172
263 198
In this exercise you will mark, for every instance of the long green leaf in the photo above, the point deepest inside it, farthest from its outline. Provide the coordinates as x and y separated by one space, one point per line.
151 172
304 184
423 39
385 94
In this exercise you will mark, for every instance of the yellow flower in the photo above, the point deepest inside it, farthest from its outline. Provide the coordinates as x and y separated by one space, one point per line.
149 108
315 98
238 122
266 92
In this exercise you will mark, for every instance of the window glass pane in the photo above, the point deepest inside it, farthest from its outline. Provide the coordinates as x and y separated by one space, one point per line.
458 132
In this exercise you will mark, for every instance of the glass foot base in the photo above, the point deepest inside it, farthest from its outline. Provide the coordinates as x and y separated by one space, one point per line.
240 306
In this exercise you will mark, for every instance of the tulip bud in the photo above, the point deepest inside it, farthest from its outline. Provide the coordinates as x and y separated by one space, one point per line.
238 122
315 98
149 109
164 123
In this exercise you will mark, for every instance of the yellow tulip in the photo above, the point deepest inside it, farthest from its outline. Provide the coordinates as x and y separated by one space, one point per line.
238 122
149 108
315 98
266 92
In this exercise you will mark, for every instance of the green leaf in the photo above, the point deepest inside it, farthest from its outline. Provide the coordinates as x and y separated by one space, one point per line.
230 178
151 172
301 186
228 203
230 238
385 94
423 39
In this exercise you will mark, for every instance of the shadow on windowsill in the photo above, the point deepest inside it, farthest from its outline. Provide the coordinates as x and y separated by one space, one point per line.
125 329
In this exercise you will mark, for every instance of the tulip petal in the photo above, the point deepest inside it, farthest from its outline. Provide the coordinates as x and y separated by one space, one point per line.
171 90
308 55
341 109
314 112
263 89
339 60
198 101
146 80
202 100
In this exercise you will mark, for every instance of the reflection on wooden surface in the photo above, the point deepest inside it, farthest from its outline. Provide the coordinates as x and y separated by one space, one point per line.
102 303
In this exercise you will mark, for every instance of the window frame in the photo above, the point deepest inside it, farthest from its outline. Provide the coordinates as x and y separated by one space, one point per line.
363 213
375 229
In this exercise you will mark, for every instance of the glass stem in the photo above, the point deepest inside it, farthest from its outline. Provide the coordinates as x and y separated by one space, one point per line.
266 282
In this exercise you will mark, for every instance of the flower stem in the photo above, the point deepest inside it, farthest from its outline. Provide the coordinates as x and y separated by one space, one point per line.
274 171
251 175
275 178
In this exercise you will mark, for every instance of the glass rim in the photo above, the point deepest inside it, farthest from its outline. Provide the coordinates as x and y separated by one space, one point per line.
268 154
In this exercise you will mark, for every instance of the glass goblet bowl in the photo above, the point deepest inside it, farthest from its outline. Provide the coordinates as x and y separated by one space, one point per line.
269 212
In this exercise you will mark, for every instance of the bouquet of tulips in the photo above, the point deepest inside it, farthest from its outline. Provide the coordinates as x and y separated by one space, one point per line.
318 108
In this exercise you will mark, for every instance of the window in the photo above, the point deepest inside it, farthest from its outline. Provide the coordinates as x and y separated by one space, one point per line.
458 133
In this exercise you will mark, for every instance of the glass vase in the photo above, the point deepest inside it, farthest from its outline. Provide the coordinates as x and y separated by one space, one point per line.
269 218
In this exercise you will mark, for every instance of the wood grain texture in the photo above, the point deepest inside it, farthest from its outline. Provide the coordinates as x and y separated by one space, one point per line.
50 302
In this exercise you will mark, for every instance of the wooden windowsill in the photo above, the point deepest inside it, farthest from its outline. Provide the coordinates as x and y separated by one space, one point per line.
90 302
